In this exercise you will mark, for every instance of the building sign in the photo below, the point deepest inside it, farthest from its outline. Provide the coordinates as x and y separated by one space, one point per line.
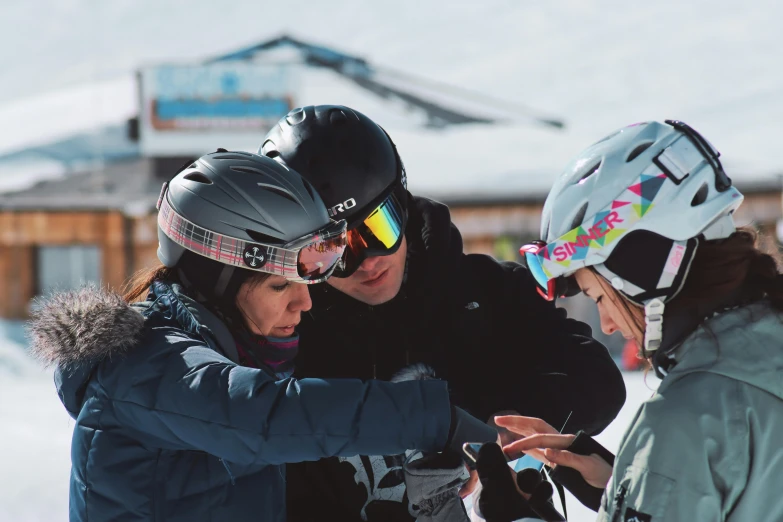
190 109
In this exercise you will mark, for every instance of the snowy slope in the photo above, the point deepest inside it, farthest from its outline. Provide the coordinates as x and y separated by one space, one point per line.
35 437
598 64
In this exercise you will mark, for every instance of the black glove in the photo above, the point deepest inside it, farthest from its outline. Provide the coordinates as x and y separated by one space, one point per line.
573 481
500 500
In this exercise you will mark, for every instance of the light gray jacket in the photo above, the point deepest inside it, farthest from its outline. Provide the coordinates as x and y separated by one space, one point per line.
709 445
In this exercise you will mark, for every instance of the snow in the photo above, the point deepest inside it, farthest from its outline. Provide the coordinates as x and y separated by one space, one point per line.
597 64
36 432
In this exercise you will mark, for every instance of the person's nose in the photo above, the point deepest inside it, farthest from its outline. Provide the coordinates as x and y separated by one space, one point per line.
300 300
369 264
608 326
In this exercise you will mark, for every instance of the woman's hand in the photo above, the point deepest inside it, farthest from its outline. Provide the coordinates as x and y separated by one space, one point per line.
544 443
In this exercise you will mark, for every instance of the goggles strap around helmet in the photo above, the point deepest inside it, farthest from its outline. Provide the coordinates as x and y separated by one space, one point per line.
679 160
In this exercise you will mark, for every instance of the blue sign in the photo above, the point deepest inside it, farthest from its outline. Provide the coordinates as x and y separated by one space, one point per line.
226 95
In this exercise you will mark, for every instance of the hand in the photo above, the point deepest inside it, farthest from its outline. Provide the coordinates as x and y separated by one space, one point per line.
470 486
544 443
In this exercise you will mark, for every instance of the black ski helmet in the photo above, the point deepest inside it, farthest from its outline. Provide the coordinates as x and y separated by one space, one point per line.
222 205
349 159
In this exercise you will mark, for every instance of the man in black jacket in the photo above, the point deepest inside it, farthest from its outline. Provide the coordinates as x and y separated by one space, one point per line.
409 303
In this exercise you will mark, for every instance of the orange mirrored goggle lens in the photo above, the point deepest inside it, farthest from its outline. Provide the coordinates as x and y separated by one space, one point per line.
320 258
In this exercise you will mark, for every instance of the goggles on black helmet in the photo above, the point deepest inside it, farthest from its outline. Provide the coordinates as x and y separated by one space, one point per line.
378 234
309 259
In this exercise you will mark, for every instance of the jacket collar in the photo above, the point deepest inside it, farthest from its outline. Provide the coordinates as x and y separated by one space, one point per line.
193 317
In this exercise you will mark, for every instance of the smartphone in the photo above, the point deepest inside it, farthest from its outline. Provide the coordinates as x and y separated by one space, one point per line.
471 449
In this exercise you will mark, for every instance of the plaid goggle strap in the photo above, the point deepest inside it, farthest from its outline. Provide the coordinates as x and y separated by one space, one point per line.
310 259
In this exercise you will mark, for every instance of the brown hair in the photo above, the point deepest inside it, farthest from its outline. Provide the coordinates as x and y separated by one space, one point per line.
736 264
735 267
138 286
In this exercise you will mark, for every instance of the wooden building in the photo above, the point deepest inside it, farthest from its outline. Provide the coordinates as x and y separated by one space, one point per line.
99 226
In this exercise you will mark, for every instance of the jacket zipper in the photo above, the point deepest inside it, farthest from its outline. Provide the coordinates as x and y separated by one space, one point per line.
619 498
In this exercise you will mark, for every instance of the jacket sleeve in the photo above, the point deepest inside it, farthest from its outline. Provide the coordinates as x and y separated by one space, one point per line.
184 395
546 365
685 456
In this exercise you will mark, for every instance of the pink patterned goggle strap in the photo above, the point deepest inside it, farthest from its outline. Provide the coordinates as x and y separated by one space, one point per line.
284 261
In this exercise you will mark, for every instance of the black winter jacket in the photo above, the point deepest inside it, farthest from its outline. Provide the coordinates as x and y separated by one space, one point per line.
479 323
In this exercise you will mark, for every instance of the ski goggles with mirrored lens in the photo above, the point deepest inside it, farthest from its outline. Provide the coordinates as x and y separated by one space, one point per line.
550 286
309 259
379 234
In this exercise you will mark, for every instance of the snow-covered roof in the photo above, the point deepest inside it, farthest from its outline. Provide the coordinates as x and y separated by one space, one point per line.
597 64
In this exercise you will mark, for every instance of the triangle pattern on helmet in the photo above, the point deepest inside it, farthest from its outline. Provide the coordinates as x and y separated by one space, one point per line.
582 246
642 208
614 234
599 241
636 189
600 215
580 253
571 236
618 204
651 186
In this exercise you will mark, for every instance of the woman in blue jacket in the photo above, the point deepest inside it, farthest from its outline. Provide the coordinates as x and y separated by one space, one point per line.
184 405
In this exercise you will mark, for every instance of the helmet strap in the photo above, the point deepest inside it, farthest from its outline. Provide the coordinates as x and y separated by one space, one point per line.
223 279
653 319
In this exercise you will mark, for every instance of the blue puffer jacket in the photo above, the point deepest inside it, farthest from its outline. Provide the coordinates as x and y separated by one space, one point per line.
169 427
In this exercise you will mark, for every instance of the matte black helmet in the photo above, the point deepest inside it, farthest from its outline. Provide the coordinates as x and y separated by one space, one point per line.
240 212
354 165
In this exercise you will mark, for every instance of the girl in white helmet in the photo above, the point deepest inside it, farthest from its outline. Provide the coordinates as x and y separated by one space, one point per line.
641 222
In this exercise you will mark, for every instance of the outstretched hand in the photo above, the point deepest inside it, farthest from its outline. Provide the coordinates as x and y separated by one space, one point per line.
545 444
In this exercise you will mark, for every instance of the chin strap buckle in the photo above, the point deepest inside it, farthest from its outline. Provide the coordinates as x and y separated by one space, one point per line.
653 318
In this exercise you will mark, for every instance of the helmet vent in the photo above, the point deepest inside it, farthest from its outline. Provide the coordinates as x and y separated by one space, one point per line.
309 188
277 190
701 195
198 177
579 217
233 155
260 237
635 153
296 116
589 173
273 154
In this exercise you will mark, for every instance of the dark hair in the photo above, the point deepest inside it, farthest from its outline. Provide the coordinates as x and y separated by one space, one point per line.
138 286
724 272
725 267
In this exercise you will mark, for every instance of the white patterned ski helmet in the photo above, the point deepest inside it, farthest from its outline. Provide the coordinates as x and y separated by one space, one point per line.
634 206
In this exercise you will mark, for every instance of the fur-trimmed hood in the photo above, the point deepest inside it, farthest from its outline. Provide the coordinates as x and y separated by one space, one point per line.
83 327
75 331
